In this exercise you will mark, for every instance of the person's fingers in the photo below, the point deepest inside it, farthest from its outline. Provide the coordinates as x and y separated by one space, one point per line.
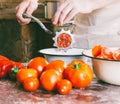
70 16
58 12
20 22
65 13
16 8
31 8
20 9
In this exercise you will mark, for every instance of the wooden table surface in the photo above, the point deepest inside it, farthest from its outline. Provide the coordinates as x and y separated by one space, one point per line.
97 92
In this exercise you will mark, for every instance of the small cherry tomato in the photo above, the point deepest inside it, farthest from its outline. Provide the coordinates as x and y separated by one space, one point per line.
37 63
31 84
26 73
64 86
49 79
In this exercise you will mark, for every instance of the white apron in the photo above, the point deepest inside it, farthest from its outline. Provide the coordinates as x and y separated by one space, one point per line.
99 27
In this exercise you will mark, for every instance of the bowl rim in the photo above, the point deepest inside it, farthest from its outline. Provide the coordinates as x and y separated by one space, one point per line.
42 51
85 53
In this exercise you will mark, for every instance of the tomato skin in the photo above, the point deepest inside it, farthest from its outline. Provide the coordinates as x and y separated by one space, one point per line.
5 65
49 79
64 86
79 73
26 73
71 65
31 84
3 57
37 63
58 65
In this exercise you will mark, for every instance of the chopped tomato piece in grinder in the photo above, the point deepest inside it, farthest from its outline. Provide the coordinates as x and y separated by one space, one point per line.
64 40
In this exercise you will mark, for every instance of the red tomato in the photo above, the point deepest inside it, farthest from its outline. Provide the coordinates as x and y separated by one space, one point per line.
26 73
37 63
79 73
64 86
58 65
31 84
49 79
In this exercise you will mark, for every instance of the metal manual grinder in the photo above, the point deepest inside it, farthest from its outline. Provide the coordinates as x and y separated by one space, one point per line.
63 39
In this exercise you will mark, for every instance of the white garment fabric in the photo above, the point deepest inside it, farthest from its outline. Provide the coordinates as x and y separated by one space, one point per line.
102 21
99 27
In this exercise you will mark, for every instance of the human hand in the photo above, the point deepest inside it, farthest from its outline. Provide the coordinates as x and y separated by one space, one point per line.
67 9
28 7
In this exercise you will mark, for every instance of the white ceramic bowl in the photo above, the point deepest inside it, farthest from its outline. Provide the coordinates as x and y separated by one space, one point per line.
105 70
53 54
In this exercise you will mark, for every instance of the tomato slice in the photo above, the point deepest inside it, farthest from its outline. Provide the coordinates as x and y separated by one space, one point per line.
96 50
64 40
107 53
116 54
100 56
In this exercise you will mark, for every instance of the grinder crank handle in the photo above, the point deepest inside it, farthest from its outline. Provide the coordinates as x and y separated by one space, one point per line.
39 23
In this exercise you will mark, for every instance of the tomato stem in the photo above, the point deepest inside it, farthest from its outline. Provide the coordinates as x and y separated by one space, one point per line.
14 71
76 66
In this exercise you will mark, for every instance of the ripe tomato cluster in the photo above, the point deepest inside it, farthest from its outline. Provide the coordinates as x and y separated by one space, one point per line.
28 77
54 76
101 51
